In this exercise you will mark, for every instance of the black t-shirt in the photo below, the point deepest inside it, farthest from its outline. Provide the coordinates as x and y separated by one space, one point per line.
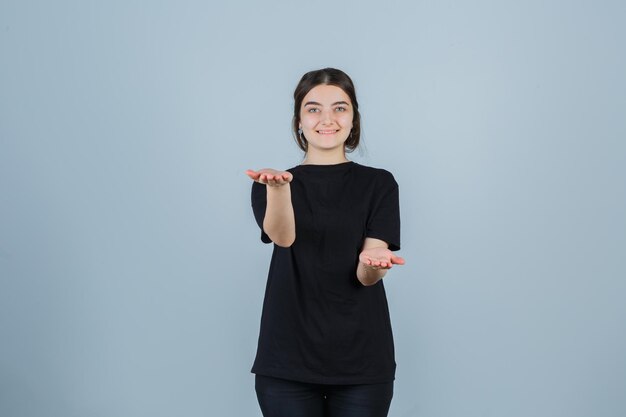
319 323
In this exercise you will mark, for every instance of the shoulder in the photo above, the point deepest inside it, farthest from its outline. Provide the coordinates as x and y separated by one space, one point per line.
381 176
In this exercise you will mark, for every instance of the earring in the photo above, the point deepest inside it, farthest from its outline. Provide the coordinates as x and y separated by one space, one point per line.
300 134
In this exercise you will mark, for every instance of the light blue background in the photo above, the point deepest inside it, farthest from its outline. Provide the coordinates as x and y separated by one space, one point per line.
131 270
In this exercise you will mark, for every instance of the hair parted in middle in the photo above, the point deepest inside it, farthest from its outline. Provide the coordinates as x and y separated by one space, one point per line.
326 76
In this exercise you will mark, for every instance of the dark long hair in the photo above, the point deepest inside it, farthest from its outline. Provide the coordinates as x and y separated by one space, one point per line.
326 76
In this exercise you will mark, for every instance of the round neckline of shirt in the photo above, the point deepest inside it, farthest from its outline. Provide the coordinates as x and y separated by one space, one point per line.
330 167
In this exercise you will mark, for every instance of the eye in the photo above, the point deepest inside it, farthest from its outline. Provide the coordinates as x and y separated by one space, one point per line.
340 109
313 110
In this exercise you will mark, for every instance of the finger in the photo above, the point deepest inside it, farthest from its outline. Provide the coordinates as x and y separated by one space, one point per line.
252 174
265 179
278 180
397 260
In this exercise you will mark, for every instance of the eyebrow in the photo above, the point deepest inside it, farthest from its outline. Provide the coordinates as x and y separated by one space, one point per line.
315 103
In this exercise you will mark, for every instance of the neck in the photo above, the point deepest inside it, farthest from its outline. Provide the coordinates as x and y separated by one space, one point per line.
314 157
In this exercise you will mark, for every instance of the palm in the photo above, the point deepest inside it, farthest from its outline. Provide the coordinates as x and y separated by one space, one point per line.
380 258
269 176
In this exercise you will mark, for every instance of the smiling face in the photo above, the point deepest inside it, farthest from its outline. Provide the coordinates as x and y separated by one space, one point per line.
326 116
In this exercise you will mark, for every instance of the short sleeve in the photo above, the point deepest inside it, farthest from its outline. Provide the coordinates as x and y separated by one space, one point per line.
259 204
384 219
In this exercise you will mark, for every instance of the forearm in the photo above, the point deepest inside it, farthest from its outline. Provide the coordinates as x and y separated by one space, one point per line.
369 275
279 222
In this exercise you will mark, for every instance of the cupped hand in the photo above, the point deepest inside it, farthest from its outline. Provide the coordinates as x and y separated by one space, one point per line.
380 258
270 176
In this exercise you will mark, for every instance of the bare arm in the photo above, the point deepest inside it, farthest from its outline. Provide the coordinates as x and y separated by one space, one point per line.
374 261
279 221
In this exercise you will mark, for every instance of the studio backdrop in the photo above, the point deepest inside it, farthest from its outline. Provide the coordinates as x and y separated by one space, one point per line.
131 269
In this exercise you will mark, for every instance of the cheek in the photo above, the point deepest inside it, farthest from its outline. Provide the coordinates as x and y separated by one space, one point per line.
346 120
306 120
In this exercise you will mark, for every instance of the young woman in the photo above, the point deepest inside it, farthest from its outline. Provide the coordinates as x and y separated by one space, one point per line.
325 345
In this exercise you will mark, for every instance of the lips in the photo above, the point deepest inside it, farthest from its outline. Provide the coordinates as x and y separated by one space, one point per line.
327 132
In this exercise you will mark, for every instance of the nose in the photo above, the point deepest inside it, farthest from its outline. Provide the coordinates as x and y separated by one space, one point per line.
327 116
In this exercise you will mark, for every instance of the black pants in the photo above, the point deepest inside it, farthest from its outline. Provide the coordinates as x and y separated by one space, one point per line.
283 398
